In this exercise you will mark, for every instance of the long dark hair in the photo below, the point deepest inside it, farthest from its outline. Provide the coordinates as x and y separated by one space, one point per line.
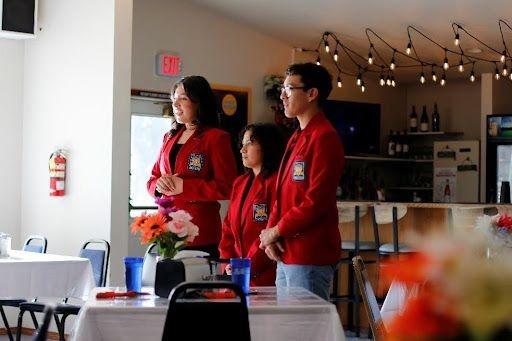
271 141
200 92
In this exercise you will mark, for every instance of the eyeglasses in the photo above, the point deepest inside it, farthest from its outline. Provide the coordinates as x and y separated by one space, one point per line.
287 89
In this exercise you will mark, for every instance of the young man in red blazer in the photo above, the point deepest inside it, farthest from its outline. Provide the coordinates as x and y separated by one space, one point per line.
302 234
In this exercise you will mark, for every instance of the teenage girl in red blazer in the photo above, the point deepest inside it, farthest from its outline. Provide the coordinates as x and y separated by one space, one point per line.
196 164
251 200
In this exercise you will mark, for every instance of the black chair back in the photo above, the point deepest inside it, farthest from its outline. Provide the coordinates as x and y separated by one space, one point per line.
99 259
218 320
369 299
37 244
41 332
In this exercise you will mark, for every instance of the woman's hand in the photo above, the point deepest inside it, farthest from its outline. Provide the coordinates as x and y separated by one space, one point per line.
170 185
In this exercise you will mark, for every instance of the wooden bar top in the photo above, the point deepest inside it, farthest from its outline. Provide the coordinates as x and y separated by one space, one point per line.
342 203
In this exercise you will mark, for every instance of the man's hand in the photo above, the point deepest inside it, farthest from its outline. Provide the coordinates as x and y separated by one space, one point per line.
274 251
268 236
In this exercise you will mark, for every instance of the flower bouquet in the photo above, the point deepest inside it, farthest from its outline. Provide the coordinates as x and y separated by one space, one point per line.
171 229
498 229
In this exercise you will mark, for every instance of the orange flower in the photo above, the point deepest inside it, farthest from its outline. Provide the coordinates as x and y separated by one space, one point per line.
422 319
138 222
153 226
408 270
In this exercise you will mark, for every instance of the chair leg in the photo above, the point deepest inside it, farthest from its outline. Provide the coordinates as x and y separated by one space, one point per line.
356 308
20 324
63 325
350 310
6 324
59 327
34 320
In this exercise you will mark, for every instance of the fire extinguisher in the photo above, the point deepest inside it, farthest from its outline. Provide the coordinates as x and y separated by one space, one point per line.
57 167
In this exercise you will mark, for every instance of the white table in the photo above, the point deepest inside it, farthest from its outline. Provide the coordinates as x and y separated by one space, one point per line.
30 274
395 300
290 314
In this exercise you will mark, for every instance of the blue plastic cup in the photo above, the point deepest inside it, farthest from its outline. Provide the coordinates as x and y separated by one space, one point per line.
133 273
241 272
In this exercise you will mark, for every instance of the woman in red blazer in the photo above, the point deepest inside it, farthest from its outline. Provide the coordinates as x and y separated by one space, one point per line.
196 165
251 200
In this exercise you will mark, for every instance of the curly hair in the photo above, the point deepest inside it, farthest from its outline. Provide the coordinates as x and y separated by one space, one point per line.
200 92
271 141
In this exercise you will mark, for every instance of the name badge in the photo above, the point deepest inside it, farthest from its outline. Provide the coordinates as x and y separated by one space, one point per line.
299 171
259 212
195 162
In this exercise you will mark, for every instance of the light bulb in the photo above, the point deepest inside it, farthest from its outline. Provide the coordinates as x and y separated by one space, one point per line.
339 82
461 66
422 78
388 81
393 83
443 79
510 76
358 80
446 66
336 55
318 61
472 77
456 41
497 74
326 47
503 56
370 58
362 87
392 65
408 49
504 72
382 82
434 76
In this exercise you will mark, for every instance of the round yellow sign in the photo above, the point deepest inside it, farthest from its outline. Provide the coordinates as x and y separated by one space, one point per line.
229 104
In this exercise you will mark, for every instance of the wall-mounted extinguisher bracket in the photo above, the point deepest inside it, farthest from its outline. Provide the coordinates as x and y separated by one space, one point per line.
57 168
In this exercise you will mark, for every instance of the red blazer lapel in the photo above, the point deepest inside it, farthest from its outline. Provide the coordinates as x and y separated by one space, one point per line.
182 159
297 150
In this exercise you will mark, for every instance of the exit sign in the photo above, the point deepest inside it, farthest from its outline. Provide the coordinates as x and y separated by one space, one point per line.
168 64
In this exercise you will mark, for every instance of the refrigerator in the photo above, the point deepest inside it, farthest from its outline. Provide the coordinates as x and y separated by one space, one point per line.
499 155
457 171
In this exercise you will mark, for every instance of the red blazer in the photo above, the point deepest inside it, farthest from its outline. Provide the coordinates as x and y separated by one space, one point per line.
207 166
305 208
247 215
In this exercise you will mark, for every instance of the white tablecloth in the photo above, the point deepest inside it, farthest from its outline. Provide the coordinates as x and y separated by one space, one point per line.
395 300
291 314
29 274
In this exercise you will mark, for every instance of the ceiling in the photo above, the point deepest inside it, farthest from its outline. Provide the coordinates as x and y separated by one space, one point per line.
301 23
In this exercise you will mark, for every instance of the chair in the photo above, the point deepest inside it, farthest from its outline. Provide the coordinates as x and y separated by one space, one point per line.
40 334
31 245
185 312
99 259
387 214
369 300
353 248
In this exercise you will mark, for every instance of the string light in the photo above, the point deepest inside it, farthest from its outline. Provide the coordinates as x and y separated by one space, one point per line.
362 87
503 56
422 78
497 73
392 65
370 58
393 83
461 65
472 76
339 82
446 66
336 55
443 79
382 82
510 76
456 41
408 49
359 81
388 80
318 60
504 72
434 76
326 46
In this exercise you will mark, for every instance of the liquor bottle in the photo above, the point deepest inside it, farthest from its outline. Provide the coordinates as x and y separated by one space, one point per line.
405 145
391 144
424 120
398 144
435 119
413 120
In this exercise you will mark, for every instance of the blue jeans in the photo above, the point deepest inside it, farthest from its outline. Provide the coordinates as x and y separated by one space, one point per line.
315 278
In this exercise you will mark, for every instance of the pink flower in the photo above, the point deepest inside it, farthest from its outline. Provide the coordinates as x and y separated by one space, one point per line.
193 232
181 225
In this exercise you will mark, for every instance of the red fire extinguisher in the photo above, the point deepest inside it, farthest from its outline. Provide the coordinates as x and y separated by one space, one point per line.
57 167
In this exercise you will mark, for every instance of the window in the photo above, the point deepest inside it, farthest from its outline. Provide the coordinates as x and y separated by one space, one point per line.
147 131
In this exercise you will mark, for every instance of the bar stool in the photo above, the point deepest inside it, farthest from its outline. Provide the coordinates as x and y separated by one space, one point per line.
353 248
391 214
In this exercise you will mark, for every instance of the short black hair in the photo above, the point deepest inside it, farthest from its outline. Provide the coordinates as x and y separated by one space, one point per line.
200 92
313 76
271 141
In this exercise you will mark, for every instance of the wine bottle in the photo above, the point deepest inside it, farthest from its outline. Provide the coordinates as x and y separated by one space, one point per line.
405 145
398 145
424 120
391 144
435 119
413 120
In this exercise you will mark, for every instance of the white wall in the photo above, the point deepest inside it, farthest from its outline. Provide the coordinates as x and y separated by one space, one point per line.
458 103
73 101
218 48
11 114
